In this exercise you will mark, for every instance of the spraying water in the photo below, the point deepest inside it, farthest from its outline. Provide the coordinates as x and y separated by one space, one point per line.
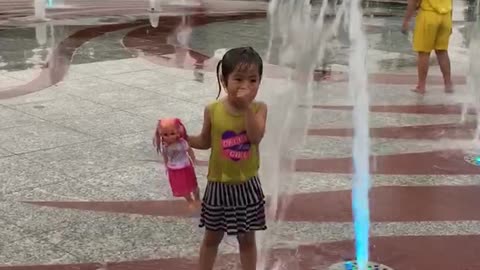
473 84
41 33
40 6
299 34
155 5
302 34
155 9
358 80
473 79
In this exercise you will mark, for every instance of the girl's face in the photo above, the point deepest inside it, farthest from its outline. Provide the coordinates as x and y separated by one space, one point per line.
244 79
169 134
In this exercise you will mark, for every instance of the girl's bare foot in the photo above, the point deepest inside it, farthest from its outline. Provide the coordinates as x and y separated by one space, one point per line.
419 90
448 88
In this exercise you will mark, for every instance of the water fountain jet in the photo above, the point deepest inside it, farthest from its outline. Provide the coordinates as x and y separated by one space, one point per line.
155 6
303 41
473 86
358 81
300 36
154 13
40 7
473 79
41 33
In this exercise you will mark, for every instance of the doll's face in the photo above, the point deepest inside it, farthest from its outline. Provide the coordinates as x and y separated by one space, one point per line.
169 134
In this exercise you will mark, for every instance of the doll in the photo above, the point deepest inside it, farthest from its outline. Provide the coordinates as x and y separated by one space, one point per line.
170 140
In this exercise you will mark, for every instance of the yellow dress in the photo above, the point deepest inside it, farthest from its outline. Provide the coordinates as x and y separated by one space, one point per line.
433 25
233 159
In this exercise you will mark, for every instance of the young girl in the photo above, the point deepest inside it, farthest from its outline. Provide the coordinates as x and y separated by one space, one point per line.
233 128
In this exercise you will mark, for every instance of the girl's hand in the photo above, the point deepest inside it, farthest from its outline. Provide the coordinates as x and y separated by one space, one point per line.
245 98
405 27
193 158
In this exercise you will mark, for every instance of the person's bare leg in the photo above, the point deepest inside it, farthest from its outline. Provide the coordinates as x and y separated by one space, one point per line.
248 250
422 68
196 197
209 249
444 62
196 194
190 201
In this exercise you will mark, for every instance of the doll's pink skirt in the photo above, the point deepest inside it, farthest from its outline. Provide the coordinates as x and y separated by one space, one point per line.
182 181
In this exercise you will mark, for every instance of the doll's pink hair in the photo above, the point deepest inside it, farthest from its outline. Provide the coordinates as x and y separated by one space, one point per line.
168 122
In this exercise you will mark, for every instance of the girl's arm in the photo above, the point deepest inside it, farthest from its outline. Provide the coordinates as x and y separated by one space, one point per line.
255 123
411 7
191 153
203 140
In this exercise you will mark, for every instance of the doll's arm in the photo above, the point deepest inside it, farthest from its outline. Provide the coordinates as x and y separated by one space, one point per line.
165 161
165 158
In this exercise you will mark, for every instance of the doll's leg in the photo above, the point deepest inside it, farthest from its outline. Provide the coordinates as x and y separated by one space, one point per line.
189 198
191 204
196 194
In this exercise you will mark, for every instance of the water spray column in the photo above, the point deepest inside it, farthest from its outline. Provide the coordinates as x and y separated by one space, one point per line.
473 78
40 6
155 9
41 33
358 80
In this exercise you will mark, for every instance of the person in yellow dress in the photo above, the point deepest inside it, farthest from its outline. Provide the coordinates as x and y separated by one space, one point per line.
433 27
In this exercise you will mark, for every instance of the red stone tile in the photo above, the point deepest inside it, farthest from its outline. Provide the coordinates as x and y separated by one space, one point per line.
388 204
414 109
411 79
87 266
153 42
56 69
447 162
423 132
401 253
425 163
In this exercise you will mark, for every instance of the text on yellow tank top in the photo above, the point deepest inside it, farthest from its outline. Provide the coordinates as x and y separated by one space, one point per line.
233 158
439 6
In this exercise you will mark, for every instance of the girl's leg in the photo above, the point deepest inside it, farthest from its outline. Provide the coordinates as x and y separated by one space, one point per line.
423 63
248 250
209 249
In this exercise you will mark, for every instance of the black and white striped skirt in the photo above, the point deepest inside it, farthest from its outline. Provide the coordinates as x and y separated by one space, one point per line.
234 208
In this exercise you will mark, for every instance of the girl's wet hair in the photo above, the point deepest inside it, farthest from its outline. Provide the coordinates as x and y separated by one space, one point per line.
237 58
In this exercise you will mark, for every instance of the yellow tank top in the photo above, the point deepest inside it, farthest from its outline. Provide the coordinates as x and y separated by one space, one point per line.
439 6
232 157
